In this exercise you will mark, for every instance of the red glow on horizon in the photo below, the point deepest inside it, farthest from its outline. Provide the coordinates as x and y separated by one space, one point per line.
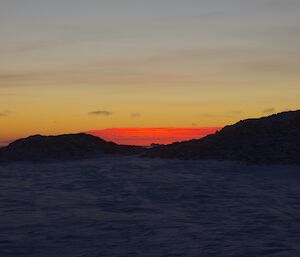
148 136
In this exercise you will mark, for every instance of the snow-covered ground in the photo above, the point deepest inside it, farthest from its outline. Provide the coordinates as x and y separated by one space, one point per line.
126 206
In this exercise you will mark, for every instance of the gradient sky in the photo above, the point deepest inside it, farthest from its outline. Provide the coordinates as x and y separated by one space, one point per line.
148 136
79 65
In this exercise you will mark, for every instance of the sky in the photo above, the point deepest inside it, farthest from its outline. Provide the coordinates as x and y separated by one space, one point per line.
149 136
69 66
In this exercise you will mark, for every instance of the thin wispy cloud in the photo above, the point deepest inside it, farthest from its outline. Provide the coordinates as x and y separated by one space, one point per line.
100 113
232 113
18 78
4 113
136 115
9 94
269 110
15 76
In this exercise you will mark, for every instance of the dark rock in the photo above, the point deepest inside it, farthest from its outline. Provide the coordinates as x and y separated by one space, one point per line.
269 140
63 147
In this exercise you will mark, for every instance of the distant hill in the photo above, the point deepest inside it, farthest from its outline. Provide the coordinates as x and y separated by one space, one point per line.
63 147
269 140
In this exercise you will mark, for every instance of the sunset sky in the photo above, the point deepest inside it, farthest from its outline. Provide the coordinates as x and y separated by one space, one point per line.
148 136
70 66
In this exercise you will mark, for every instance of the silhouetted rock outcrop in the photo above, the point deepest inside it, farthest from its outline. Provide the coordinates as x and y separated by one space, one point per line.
63 147
269 140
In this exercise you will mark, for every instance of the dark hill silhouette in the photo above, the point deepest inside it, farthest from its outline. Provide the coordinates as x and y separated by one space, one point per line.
62 147
269 140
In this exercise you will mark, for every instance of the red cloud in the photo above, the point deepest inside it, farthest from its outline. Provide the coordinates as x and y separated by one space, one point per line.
148 136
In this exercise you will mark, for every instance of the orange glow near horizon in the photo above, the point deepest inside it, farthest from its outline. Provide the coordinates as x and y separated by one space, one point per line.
148 136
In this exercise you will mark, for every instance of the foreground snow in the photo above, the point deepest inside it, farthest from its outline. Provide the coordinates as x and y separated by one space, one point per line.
126 206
